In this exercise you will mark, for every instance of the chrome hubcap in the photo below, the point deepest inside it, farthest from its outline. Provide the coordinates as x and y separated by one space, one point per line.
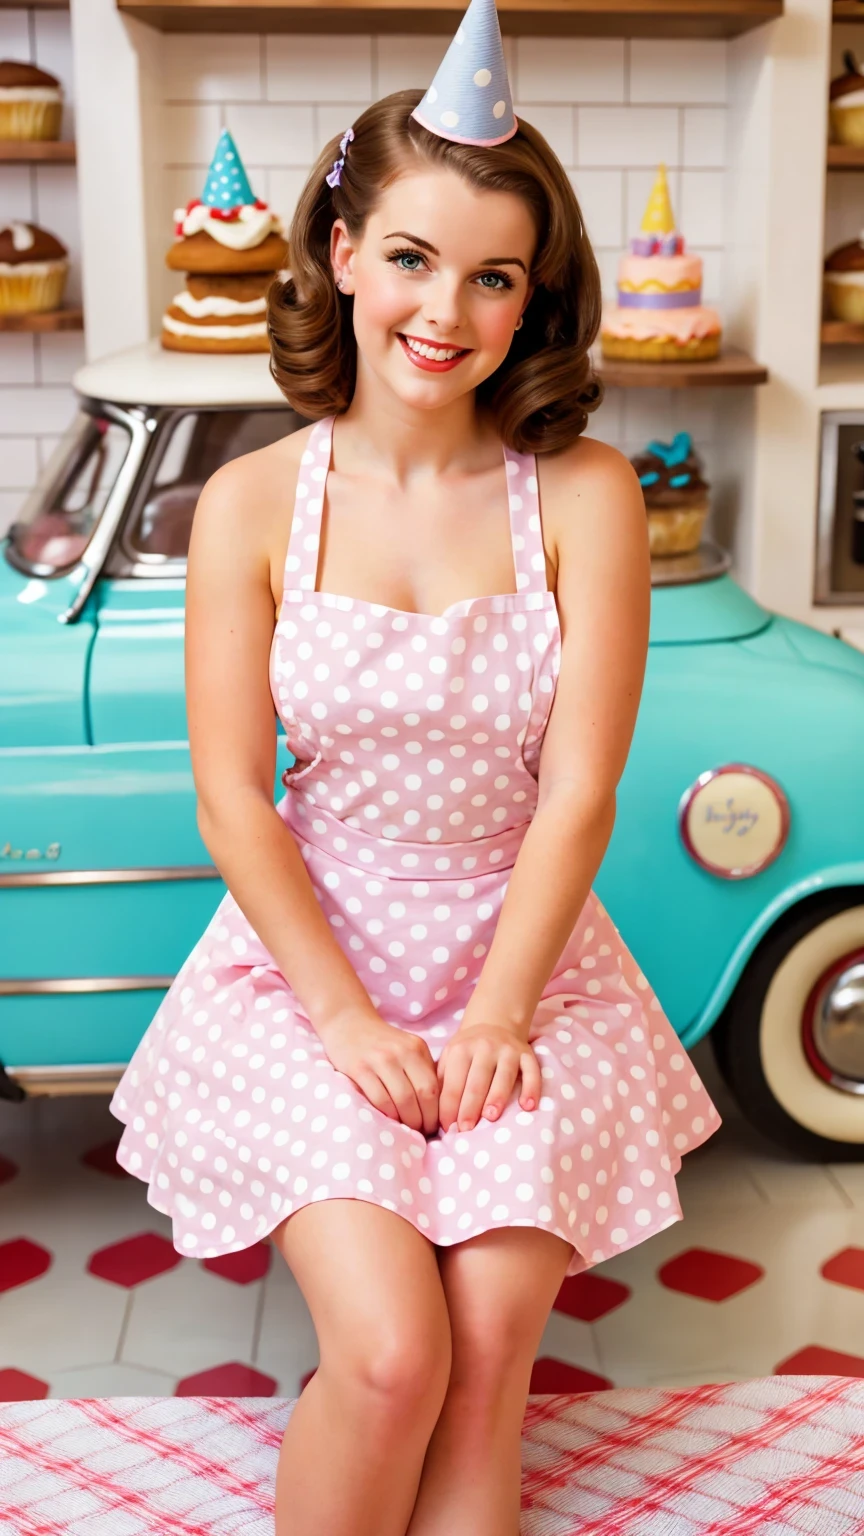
833 1025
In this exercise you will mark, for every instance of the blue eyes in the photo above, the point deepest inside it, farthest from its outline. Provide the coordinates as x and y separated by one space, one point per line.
406 256
497 281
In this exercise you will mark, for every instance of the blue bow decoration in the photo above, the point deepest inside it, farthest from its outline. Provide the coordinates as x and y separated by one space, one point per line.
670 454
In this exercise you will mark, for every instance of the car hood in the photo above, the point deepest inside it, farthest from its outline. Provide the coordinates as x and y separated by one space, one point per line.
702 612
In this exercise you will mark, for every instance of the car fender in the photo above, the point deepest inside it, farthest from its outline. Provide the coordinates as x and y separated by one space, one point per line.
833 877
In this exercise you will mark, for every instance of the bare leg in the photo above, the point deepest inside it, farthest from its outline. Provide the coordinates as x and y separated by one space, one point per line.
500 1287
354 1446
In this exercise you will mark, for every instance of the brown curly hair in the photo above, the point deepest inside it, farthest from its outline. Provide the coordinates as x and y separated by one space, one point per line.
542 392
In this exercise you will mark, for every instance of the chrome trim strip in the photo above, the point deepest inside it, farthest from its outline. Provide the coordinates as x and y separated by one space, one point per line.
102 1077
110 876
824 594
26 986
95 554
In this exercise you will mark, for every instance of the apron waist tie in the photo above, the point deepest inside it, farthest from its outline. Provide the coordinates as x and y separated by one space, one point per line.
396 857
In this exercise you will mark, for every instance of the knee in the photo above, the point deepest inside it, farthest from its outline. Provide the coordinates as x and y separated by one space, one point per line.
400 1365
490 1354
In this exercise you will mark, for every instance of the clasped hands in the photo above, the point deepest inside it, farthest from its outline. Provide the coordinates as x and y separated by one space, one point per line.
474 1076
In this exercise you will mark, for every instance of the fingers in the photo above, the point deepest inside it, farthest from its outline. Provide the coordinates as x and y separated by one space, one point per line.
373 1089
532 1081
453 1065
424 1081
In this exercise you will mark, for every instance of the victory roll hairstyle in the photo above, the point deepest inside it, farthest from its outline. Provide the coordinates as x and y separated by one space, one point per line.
542 392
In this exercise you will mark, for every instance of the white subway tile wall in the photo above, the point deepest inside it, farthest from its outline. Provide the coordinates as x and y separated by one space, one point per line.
610 108
36 401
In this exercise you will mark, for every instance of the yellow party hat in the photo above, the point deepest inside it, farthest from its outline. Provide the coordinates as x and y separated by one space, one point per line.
658 218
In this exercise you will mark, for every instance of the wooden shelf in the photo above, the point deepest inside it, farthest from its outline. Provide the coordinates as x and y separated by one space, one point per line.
847 10
57 151
599 18
845 157
841 333
69 318
731 367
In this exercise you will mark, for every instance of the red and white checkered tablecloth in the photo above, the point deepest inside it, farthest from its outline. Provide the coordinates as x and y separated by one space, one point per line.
774 1457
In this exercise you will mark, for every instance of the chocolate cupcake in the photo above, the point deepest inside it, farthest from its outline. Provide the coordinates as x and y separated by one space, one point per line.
676 495
231 246
844 281
31 102
33 269
846 103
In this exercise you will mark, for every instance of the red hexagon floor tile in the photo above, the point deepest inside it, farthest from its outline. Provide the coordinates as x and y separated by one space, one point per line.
232 1380
22 1261
18 1387
135 1259
846 1268
816 1361
590 1296
708 1275
784 1237
243 1268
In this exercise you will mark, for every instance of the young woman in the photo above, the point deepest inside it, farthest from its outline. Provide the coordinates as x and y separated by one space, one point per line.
411 1047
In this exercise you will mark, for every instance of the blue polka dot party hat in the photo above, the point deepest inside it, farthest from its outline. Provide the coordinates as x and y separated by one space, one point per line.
227 185
469 100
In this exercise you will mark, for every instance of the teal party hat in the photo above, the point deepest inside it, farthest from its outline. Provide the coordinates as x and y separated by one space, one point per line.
227 185
469 100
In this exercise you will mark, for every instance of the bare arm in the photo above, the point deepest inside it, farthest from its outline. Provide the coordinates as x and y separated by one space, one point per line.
229 629
603 593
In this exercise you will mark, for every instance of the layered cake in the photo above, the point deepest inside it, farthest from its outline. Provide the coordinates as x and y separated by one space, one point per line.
33 268
31 102
231 246
660 316
676 495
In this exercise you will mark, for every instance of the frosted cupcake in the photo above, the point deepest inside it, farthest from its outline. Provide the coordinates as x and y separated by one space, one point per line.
660 317
844 281
33 269
846 104
676 495
31 102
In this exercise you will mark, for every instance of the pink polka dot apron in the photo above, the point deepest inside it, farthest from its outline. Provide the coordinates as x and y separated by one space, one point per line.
417 741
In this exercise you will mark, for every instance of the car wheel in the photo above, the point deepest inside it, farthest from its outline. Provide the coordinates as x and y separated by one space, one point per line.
790 1042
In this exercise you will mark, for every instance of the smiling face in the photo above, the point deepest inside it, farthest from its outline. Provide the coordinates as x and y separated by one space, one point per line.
439 278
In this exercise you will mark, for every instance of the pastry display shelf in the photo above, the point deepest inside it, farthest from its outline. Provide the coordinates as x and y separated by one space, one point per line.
842 333
69 318
845 157
731 367
598 18
847 10
26 151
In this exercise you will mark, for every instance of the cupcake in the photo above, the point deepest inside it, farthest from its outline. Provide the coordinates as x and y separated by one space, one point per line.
33 268
844 281
846 103
676 495
660 317
31 102
231 246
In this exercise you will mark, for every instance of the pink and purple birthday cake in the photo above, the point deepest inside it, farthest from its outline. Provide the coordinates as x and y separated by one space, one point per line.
660 316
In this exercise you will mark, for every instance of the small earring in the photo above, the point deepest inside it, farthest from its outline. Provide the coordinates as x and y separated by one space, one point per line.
340 283
518 325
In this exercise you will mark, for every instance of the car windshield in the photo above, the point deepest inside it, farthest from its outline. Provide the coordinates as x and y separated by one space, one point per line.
60 515
192 446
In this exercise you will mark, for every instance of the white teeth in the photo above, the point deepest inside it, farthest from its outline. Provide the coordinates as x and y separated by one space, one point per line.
437 354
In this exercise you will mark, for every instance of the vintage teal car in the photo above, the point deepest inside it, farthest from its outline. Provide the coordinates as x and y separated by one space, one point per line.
735 872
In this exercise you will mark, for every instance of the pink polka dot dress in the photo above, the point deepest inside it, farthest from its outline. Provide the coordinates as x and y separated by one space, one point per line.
417 741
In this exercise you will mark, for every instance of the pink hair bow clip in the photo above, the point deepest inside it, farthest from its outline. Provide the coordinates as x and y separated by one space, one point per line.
334 177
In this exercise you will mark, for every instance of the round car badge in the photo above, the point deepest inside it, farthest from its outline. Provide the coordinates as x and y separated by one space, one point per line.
734 821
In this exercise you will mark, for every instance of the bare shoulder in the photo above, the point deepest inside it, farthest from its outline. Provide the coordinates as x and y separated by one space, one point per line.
243 515
590 496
